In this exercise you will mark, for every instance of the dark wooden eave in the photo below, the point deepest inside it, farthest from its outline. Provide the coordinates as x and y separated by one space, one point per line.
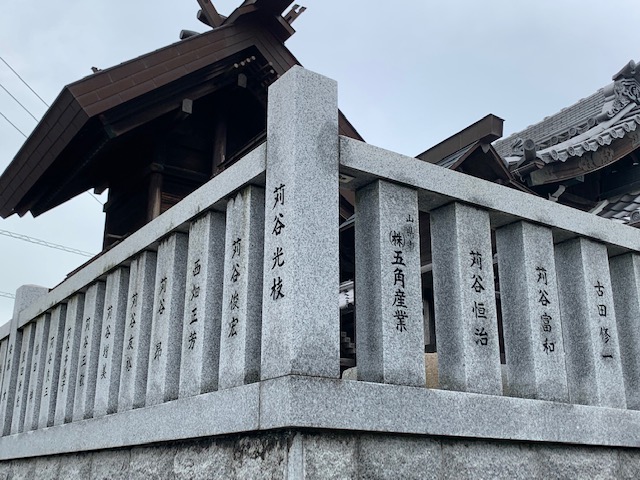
91 113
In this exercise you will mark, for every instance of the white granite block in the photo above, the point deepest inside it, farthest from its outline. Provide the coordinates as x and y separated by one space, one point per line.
625 282
66 381
301 322
202 306
24 374
89 353
594 370
163 378
137 332
36 380
531 323
242 298
389 322
25 296
49 393
464 300
111 338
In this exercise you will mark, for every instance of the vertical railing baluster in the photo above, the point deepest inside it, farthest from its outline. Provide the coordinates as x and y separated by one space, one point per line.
55 344
38 362
594 371
111 338
89 356
66 382
389 321
163 379
301 322
625 282
531 321
464 297
202 306
137 332
242 297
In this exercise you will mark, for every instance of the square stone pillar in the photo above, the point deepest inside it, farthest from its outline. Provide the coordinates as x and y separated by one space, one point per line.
25 295
49 392
301 321
531 313
389 321
90 353
464 300
66 382
242 298
38 363
203 306
594 370
625 282
24 374
163 379
137 332
110 361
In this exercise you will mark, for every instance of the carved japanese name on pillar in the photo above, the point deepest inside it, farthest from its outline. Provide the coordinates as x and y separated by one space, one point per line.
544 298
478 309
38 362
49 392
72 337
24 374
602 304
137 330
401 241
278 255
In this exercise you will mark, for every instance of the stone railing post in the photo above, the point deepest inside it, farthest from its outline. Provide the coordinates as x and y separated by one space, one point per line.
464 297
389 322
300 323
25 295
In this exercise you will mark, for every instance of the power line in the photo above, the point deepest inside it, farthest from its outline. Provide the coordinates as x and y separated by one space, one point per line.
22 80
45 243
18 102
12 124
7 295
96 198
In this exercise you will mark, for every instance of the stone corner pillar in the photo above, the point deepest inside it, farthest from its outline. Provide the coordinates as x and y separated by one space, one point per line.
301 323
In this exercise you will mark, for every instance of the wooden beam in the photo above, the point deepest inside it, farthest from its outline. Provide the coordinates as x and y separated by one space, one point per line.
211 15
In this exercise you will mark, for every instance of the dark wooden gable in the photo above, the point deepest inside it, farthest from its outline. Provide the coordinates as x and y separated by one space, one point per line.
157 127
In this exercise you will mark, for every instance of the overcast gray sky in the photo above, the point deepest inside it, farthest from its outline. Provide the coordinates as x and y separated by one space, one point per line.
410 74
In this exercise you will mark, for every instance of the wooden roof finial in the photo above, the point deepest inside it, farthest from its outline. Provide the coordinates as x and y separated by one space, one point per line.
209 15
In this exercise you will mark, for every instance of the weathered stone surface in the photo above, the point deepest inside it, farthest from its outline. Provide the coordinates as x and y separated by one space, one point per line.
330 456
629 461
49 393
163 378
152 462
471 459
110 465
575 462
47 468
464 294
389 321
23 470
75 466
240 339
262 456
36 380
205 460
89 352
137 332
531 323
203 305
625 282
111 338
66 382
301 322
387 457
6 470
594 370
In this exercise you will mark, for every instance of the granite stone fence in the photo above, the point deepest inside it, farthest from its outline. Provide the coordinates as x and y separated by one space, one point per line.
222 316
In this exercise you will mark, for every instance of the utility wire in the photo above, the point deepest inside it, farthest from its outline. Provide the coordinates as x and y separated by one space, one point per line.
22 80
45 243
95 198
12 124
7 295
18 102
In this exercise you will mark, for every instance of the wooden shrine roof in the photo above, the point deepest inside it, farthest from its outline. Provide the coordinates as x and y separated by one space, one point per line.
57 161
